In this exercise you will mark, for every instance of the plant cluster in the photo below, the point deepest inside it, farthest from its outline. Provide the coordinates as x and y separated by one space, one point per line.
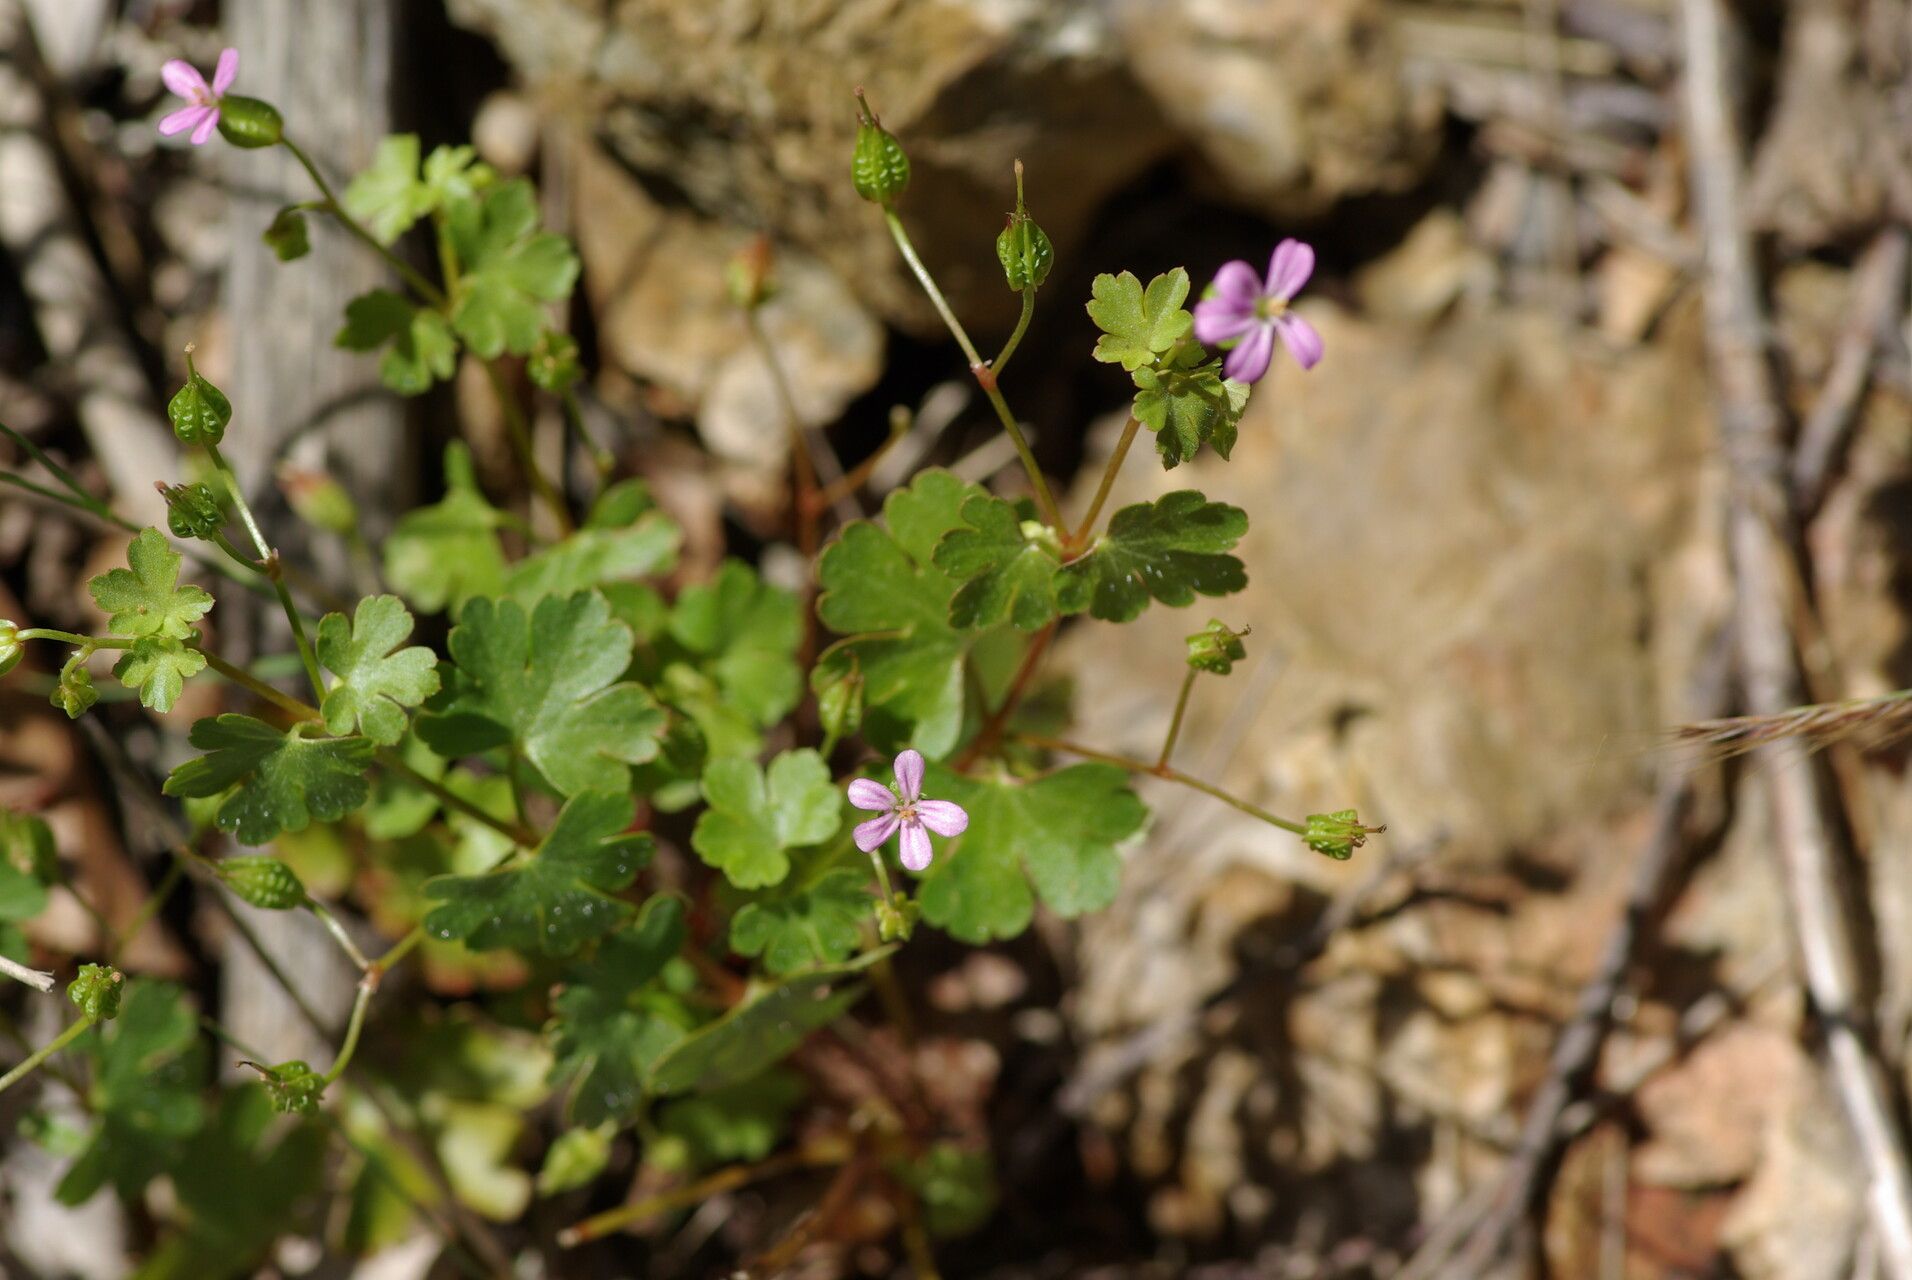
498 799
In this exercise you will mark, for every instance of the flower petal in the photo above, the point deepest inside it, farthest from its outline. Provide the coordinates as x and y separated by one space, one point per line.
909 774
866 793
206 126
1237 282
1301 338
944 817
1217 320
1289 269
183 78
226 72
870 835
182 120
916 850
1249 361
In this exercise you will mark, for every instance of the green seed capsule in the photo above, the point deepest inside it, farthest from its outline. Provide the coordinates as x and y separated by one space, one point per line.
879 170
266 883
248 122
11 648
97 991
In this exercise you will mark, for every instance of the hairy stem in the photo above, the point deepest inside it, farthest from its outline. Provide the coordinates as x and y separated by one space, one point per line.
984 377
409 274
339 935
1081 537
352 1028
1015 335
268 566
992 731
1175 724
818 1153
32 1061
1163 771
520 434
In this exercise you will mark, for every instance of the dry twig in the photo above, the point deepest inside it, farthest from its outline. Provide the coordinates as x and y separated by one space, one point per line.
1761 538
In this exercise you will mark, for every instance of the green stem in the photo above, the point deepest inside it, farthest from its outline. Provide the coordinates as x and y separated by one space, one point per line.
339 935
423 287
175 872
984 377
352 1029
68 637
1015 336
1163 771
59 472
602 459
33 1060
65 500
883 878
1175 724
817 1153
520 435
517 833
268 567
246 680
1081 536
400 949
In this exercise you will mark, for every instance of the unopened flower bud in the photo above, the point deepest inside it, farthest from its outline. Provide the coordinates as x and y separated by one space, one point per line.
748 274
319 500
553 363
879 170
11 647
293 1087
896 921
74 693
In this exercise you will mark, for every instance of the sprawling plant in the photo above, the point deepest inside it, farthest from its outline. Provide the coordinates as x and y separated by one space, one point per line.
495 803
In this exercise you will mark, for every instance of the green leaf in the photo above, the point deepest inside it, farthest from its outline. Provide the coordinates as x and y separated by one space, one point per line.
455 173
511 270
147 600
1138 325
241 1184
738 1123
608 1024
757 1034
287 236
1007 567
543 683
446 553
1171 549
22 896
819 922
575 1158
1187 408
26 845
199 411
387 196
882 590
596 557
150 1065
1058 833
158 666
756 817
560 899
422 349
957 1188
284 780
745 633
377 679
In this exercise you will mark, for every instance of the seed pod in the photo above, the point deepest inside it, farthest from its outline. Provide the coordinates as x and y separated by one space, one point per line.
97 991
293 1087
1023 248
250 123
192 511
266 883
879 170
11 647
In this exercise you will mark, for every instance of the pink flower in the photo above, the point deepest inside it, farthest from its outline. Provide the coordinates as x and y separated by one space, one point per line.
916 816
201 112
1250 312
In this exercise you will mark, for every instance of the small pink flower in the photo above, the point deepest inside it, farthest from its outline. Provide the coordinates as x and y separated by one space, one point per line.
1250 311
916 816
201 112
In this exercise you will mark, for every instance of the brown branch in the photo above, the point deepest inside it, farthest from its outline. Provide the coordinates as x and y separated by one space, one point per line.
1762 543
1878 291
